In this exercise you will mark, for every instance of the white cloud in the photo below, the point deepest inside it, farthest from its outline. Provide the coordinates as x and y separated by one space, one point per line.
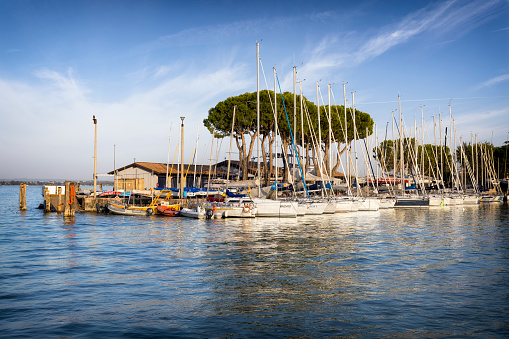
494 81
441 18
50 124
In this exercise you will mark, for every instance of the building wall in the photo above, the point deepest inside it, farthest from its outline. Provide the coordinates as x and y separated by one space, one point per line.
146 179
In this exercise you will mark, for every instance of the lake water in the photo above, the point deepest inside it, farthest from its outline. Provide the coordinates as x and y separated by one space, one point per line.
432 273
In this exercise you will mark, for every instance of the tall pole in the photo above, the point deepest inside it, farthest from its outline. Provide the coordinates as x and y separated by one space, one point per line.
330 131
436 153
182 185
258 115
230 152
168 158
294 117
319 148
393 151
302 127
441 152
401 153
95 158
345 132
275 128
115 182
355 145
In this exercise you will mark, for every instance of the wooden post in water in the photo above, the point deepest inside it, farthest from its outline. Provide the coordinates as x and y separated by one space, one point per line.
70 199
59 199
47 201
23 197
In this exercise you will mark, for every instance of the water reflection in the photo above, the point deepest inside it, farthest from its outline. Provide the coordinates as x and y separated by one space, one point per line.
393 273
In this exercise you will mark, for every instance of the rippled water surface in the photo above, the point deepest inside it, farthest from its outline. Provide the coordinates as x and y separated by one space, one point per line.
438 272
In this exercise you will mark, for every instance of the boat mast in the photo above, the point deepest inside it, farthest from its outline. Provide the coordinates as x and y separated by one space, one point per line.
319 148
210 161
230 153
196 154
258 114
330 133
345 132
168 159
441 153
355 144
401 154
422 148
393 152
275 129
302 128
294 117
182 184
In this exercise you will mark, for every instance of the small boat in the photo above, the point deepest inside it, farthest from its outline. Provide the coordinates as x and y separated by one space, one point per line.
470 200
197 213
110 194
411 202
169 210
232 208
343 205
386 202
130 210
312 207
368 204
491 198
331 207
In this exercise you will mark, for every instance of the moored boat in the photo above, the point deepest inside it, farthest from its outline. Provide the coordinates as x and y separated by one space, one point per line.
411 202
198 212
131 210
169 210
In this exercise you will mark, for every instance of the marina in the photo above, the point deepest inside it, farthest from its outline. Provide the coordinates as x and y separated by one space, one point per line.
157 183
434 272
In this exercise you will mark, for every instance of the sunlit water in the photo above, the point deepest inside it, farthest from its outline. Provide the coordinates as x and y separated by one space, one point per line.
438 272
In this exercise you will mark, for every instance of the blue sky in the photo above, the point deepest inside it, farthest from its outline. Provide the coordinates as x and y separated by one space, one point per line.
140 65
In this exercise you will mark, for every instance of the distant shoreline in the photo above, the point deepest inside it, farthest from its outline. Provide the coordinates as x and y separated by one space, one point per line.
52 182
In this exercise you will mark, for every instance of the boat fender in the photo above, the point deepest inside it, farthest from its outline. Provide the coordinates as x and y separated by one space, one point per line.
150 211
247 208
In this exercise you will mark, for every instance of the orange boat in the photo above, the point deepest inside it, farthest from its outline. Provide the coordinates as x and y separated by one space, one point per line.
169 210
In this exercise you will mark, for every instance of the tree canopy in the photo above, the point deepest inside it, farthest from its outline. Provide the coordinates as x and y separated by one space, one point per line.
220 118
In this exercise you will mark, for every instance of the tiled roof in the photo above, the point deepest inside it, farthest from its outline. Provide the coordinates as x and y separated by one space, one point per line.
160 168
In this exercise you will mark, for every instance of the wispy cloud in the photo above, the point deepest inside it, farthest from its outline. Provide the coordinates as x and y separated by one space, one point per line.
321 16
64 84
202 35
502 29
494 81
436 18
59 111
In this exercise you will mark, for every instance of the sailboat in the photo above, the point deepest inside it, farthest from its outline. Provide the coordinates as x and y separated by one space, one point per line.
403 200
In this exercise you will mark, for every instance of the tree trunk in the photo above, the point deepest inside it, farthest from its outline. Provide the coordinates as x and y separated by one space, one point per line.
271 158
286 167
265 164
244 156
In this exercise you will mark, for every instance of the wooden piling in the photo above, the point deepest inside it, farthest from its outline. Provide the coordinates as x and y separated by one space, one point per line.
23 197
47 201
59 199
70 199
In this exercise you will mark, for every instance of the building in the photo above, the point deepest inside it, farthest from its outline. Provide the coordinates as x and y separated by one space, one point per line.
147 175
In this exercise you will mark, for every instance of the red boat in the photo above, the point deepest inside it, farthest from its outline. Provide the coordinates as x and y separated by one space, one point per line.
169 210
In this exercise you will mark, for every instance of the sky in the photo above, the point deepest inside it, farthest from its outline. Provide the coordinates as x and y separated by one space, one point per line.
139 66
